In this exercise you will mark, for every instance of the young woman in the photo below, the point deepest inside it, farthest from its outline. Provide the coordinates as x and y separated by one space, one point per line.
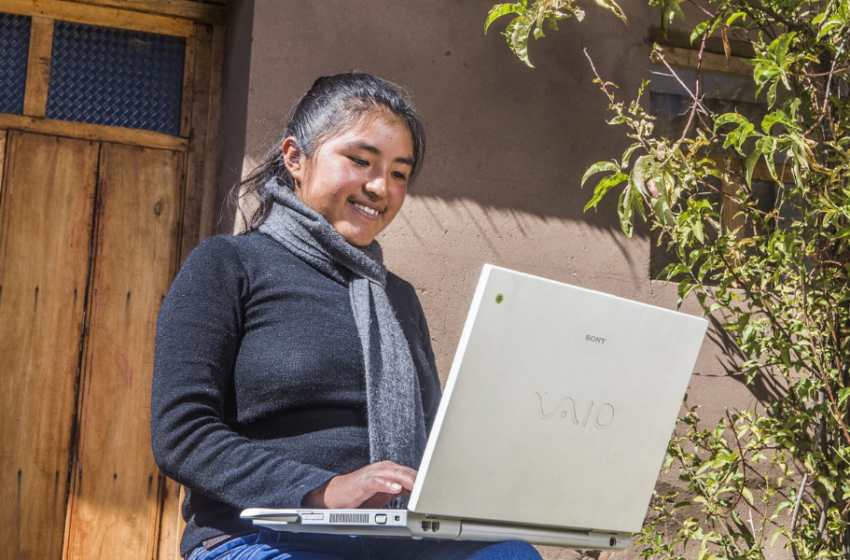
291 368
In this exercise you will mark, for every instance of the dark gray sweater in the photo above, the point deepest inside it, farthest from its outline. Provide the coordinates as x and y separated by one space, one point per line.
259 391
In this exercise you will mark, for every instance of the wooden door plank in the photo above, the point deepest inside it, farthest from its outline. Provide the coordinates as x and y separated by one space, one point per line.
38 67
98 15
730 210
207 13
45 228
209 186
193 204
97 132
115 498
188 83
3 134
171 526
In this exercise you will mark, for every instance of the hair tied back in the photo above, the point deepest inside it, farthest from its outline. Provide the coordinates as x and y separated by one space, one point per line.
318 81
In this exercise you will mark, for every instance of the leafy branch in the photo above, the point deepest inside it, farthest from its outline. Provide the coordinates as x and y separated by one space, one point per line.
775 275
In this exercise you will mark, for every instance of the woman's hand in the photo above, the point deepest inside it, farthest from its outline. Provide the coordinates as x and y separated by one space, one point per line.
372 486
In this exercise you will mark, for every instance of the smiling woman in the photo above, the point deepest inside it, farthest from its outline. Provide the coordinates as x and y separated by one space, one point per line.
292 370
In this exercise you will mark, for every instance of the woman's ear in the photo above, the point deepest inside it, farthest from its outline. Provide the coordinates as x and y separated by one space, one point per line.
293 159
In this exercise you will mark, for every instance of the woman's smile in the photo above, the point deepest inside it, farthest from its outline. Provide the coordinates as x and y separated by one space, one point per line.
370 212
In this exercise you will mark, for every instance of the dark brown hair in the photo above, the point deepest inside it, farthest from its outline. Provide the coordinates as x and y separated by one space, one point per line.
332 105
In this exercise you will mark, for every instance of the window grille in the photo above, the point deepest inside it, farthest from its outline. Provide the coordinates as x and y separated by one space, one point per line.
14 49
116 77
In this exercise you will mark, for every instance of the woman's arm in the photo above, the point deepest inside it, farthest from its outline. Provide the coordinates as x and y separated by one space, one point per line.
197 341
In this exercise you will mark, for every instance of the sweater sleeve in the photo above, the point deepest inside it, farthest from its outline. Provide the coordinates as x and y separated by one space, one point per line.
197 340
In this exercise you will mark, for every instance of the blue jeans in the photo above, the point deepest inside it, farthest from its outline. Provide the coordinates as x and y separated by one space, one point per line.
272 545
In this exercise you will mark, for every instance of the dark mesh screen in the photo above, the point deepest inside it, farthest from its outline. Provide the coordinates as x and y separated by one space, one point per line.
116 77
14 48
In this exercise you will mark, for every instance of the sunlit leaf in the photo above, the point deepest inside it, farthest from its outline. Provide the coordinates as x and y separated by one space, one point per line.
500 10
598 167
614 7
606 184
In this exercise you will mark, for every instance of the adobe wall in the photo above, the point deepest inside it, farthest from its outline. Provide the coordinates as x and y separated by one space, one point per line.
507 147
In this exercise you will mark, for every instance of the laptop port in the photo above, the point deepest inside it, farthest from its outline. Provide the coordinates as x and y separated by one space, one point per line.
426 525
435 526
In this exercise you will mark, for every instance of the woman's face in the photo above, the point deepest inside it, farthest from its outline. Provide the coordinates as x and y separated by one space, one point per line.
358 180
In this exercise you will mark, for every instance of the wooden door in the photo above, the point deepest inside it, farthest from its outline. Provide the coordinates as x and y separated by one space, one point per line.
115 498
94 222
45 225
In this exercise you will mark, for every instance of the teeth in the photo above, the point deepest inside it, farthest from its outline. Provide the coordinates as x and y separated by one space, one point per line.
370 211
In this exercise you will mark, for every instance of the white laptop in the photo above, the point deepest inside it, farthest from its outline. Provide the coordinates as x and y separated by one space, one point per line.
552 427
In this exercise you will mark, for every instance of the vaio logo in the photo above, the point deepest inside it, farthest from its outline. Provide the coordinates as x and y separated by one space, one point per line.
568 408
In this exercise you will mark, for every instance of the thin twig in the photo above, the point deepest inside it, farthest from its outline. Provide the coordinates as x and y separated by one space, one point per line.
703 9
743 466
657 51
804 482
696 89
821 74
604 88
826 104
598 77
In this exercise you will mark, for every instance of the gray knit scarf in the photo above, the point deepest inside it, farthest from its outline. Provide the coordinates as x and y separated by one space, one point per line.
396 419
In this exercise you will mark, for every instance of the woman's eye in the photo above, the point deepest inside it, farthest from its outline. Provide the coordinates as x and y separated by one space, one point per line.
358 161
400 176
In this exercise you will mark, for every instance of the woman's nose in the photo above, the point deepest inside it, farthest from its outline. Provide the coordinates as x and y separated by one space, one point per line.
377 186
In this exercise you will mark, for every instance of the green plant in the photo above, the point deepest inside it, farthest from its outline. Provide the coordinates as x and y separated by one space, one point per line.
777 281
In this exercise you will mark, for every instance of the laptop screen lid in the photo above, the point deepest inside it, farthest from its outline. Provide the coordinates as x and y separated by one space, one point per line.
558 407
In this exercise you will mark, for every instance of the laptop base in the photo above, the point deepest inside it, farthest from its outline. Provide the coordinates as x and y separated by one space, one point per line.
402 523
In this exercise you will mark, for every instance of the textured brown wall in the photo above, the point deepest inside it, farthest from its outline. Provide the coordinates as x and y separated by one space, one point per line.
507 147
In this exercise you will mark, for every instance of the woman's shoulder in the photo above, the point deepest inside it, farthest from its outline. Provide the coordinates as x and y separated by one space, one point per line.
399 286
238 250
403 297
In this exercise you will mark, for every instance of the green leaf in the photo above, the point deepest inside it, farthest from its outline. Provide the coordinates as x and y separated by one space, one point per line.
699 30
842 233
517 36
614 7
605 185
639 174
734 17
670 10
729 118
627 155
698 233
500 10
624 209
769 120
750 165
779 47
828 26
771 94
767 146
598 167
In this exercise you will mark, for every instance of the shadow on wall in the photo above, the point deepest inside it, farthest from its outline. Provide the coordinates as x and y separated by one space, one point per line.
500 134
464 227
764 388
